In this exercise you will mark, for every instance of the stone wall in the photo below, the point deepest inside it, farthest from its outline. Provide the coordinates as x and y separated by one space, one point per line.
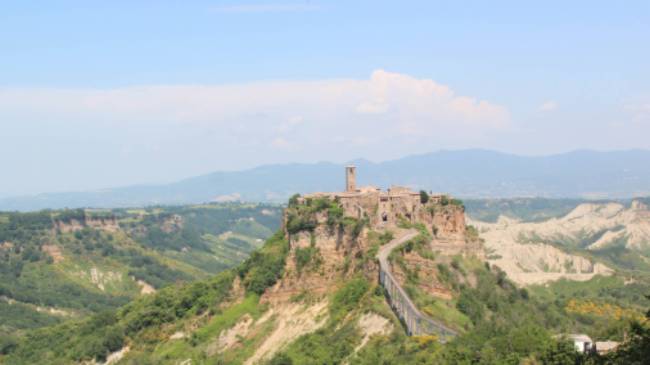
386 209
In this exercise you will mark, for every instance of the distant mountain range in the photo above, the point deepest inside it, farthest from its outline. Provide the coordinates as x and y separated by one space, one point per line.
465 173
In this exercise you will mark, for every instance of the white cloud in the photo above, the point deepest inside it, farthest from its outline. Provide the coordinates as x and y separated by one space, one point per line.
369 107
291 123
640 112
280 143
310 114
425 102
548 106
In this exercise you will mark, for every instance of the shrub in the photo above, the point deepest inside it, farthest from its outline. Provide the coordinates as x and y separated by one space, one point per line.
281 359
321 204
348 296
424 197
326 346
301 217
334 215
403 223
356 225
296 224
7 344
457 202
560 352
385 237
305 256
470 305
293 201
472 232
148 318
444 273
265 266
455 263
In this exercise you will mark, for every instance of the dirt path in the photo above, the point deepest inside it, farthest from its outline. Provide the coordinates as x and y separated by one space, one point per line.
385 250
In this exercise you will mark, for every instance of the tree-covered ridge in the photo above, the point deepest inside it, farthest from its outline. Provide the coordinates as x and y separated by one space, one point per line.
151 319
525 209
102 333
532 209
57 265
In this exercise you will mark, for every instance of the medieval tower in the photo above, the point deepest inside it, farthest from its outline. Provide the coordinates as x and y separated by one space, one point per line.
350 178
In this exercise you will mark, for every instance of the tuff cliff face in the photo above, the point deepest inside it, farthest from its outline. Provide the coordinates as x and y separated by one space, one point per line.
320 255
335 236
108 224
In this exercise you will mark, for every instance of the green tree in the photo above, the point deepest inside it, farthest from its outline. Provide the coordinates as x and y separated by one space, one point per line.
7 344
293 201
424 197
560 353
469 304
637 349
281 359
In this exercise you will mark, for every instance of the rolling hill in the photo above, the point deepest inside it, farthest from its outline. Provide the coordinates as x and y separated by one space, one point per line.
67 264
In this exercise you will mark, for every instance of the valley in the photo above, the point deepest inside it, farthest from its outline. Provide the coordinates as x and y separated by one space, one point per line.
58 265
194 284
591 239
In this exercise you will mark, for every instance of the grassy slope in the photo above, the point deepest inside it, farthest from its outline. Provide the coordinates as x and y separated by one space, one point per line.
146 323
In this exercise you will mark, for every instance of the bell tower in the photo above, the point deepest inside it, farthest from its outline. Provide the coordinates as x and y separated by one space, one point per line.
350 178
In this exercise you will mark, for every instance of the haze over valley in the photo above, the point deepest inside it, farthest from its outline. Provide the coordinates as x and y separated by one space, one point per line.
466 173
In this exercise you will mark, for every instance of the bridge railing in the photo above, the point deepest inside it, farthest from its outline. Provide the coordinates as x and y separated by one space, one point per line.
416 323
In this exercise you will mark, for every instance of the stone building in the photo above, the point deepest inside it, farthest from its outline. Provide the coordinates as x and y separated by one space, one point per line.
386 208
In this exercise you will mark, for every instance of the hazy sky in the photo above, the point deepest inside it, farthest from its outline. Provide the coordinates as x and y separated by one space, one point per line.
97 94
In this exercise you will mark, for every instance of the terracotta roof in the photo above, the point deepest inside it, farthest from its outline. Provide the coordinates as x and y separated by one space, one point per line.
606 345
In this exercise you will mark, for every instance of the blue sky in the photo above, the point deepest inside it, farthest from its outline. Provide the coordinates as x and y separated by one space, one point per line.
98 94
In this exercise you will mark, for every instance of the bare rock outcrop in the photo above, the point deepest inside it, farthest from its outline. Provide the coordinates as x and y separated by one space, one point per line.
530 251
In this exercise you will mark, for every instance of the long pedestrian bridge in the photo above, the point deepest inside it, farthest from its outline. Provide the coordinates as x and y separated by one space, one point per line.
416 323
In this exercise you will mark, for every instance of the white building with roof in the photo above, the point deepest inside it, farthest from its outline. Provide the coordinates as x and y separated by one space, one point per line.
582 342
